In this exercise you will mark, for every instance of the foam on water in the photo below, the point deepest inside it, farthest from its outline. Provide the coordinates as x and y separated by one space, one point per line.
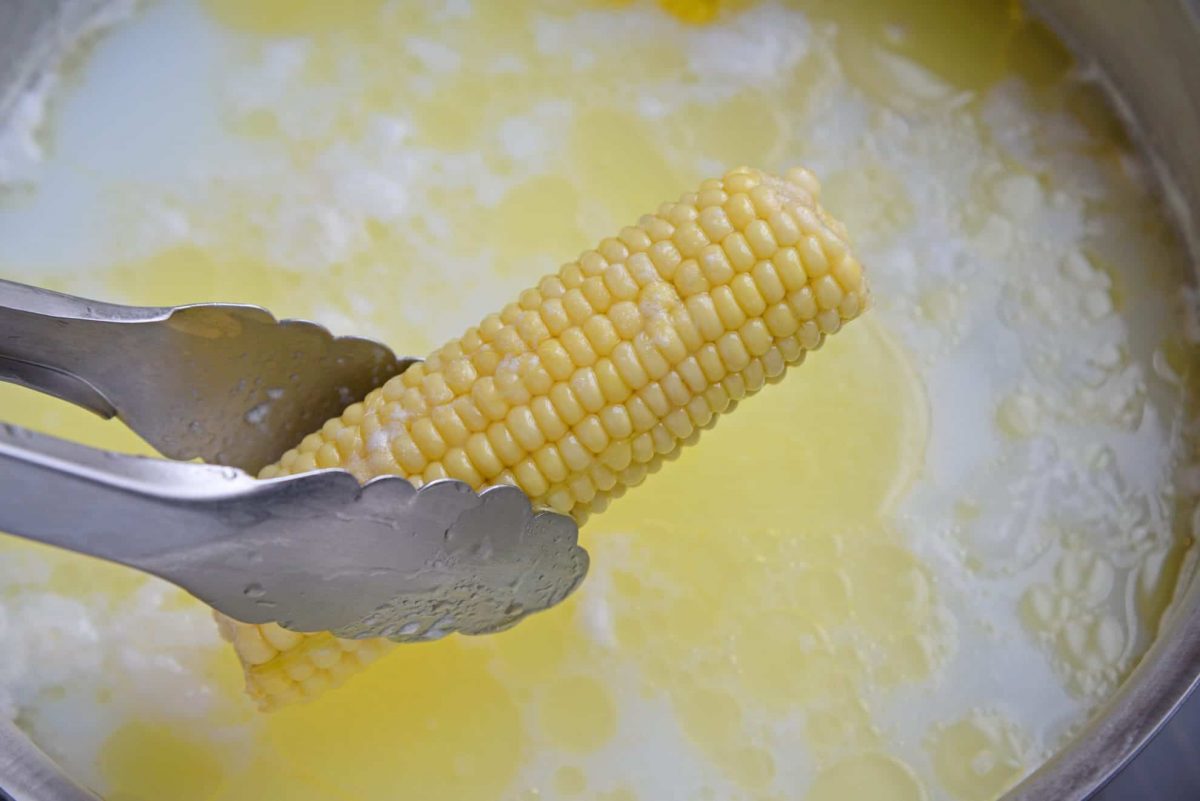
916 565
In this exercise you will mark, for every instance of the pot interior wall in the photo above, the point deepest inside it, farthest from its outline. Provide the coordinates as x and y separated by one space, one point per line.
1149 53
1148 56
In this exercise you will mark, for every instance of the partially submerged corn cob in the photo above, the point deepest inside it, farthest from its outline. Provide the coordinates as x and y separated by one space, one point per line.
586 383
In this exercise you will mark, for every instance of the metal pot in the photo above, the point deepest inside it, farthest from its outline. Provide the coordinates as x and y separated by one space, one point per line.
1149 54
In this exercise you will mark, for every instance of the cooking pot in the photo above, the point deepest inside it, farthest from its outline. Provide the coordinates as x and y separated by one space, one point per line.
1147 54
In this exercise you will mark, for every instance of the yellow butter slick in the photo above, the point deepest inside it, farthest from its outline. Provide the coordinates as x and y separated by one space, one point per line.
694 11
586 383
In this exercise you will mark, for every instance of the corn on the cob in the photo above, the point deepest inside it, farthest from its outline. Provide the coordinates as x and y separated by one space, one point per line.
586 383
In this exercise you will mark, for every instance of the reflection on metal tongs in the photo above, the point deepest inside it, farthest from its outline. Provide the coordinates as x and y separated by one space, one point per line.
232 386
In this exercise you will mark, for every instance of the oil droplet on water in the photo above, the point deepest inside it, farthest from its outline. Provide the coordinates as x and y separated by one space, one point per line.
867 778
978 758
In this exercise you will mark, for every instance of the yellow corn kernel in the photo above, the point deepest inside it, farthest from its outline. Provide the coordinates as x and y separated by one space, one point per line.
589 382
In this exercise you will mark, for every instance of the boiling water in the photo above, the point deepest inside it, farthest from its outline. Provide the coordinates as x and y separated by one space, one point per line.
907 572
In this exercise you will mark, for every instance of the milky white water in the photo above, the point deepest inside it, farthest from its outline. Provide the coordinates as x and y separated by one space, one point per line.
909 571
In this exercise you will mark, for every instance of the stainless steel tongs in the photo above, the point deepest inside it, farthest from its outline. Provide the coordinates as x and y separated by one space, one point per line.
231 385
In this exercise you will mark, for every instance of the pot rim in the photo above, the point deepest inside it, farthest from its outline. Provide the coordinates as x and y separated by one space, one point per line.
1146 91
1146 56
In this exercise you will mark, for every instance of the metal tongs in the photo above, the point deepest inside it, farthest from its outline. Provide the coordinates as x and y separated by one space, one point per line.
232 386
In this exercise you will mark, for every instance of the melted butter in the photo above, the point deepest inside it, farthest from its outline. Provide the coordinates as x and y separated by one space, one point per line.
872 777
189 769
578 714
190 274
852 606
757 608
28 409
969 46
848 440
293 17
980 757
432 720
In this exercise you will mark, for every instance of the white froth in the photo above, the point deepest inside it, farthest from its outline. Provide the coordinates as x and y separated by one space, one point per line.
1056 425
753 48
22 135
20 148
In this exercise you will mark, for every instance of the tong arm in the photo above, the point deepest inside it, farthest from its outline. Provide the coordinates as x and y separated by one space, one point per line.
225 383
